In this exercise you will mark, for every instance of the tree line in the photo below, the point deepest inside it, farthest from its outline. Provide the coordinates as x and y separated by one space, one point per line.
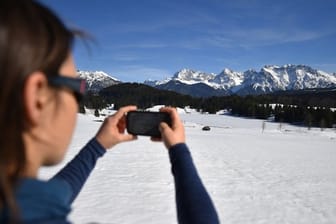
307 107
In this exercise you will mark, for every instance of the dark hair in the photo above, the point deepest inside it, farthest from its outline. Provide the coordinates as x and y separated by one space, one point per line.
32 38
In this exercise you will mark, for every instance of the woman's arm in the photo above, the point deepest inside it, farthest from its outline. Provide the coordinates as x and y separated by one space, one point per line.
193 202
111 132
76 172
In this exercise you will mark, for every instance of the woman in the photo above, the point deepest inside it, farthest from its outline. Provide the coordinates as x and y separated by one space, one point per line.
39 98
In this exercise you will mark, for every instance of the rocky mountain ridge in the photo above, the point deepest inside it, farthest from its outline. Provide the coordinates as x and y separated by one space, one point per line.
270 78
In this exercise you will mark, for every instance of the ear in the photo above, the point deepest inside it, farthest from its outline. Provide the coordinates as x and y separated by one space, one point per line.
35 97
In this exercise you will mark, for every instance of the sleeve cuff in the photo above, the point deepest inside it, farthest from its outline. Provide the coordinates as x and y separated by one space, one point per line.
97 147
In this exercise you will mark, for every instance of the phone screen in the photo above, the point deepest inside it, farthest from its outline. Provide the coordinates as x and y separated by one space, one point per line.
146 123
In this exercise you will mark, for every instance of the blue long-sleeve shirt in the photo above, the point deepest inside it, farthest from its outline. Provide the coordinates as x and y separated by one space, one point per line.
50 201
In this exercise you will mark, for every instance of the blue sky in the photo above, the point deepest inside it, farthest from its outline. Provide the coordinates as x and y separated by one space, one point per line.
137 40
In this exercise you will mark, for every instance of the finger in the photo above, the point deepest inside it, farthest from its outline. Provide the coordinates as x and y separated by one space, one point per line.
173 114
122 111
122 124
128 108
164 128
126 138
165 109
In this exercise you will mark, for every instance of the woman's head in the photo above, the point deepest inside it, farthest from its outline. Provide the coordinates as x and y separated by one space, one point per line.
34 45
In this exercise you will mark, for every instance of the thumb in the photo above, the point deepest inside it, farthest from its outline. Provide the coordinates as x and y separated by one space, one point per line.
123 138
126 138
164 128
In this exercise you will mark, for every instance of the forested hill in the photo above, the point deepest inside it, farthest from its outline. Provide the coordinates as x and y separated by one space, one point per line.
325 97
143 96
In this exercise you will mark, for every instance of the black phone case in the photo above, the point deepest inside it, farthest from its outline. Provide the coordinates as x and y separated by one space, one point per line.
146 123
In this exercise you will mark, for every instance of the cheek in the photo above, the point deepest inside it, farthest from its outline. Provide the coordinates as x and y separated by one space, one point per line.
69 118
63 128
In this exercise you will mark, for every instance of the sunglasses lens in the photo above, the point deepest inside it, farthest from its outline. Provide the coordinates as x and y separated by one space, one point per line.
76 85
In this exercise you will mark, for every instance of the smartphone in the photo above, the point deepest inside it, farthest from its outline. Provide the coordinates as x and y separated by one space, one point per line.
146 123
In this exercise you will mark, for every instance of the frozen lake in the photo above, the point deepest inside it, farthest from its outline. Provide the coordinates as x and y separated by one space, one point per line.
274 176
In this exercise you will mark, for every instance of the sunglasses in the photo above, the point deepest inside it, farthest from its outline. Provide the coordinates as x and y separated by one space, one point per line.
76 85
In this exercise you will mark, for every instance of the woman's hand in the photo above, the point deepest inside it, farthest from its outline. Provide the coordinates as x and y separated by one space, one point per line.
171 135
113 129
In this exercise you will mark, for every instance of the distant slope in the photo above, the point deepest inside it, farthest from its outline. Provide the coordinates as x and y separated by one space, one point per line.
195 90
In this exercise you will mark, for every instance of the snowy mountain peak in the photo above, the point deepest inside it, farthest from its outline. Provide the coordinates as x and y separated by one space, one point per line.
95 75
227 71
97 80
271 67
191 75
228 78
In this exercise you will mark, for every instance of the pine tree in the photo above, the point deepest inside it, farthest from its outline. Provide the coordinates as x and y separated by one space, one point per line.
81 109
96 113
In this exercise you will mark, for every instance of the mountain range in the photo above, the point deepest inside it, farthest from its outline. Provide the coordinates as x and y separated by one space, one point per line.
270 78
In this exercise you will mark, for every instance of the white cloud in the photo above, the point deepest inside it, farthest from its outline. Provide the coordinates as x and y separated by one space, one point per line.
249 38
142 45
273 36
124 58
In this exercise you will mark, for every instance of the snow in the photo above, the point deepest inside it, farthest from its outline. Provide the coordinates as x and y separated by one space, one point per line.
285 174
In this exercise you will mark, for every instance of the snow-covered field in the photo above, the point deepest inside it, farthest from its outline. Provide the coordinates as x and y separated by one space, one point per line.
274 176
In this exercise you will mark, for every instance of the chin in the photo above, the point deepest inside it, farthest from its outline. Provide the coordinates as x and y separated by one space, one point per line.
53 161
